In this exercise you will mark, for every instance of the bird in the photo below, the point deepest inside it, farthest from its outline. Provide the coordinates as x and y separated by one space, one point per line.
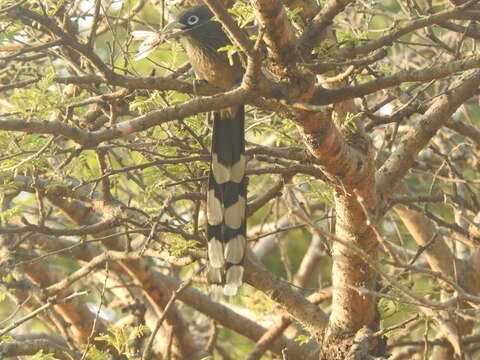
202 37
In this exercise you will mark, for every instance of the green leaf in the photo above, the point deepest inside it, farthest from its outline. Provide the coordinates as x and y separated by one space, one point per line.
6 215
349 40
180 245
302 339
243 13
319 191
38 101
95 354
387 308
10 30
347 124
231 51
7 339
294 15
144 104
120 337
51 6
41 356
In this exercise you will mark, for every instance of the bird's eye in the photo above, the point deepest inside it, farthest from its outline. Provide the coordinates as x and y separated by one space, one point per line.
192 19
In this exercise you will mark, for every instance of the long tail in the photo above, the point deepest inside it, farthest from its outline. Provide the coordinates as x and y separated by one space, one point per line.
226 200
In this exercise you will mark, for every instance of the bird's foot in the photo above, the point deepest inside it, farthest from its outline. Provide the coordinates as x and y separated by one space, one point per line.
197 83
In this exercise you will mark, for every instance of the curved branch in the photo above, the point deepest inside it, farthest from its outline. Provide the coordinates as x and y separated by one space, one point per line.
125 128
279 33
409 26
281 292
324 97
314 32
32 347
401 160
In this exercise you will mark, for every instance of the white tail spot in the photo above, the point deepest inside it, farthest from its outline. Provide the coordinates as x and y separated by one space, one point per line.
234 275
214 209
230 290
215 253
235 214
235 249
238 169
214 275
221 173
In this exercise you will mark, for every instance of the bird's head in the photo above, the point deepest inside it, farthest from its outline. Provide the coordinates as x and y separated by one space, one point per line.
192 19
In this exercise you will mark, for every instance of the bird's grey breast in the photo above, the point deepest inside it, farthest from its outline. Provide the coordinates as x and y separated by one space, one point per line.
210 64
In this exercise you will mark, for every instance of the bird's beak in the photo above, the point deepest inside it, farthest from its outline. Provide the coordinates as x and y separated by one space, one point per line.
173 29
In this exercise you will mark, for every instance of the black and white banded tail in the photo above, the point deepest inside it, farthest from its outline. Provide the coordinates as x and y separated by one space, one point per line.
226 200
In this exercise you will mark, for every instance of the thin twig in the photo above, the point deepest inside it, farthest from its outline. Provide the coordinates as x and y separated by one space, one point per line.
31 157
173 297
49 304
